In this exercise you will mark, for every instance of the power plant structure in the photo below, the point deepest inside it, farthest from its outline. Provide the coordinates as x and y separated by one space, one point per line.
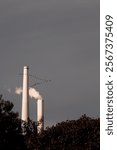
25 95
40 114
25 102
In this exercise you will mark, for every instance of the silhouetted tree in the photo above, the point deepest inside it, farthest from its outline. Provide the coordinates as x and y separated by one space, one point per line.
81 134
10 127
30 134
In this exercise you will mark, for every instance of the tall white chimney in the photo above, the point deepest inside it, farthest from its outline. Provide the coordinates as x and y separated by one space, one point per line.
40 114
25 94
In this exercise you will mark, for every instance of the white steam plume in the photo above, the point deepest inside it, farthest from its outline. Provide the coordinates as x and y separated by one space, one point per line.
33 93
9 90
18 90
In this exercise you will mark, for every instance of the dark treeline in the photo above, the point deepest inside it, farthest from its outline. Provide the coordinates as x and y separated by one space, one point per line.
81 134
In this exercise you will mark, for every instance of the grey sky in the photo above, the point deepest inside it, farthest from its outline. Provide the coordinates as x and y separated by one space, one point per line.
59 40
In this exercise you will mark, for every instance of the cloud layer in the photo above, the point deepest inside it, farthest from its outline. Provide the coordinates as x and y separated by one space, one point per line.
58 40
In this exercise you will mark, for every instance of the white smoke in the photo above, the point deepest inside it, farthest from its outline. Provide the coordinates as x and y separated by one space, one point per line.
18 90
9 90
33 93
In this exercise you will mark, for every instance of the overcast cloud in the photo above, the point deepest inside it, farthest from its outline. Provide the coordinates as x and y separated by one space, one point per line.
58 40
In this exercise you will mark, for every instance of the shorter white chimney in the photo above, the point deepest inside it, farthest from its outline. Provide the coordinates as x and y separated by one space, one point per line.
40 114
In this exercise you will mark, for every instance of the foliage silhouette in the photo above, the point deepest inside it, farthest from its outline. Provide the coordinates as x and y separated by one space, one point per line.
15 134
10 128
81 134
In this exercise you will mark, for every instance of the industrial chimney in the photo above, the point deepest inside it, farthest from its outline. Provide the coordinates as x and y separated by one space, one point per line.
25 94
40 114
